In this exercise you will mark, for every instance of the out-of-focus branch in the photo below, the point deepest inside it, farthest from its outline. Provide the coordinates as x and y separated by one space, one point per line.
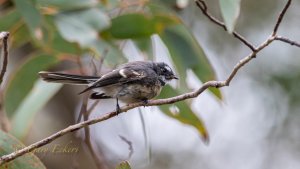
4 37
85 112
4 123
130 146
217 84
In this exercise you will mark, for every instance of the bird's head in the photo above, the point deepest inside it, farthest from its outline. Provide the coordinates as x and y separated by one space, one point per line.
164 72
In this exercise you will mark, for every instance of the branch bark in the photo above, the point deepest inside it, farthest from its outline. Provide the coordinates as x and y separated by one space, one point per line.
4 123
287 5
201 4
4 36
287 40
203 7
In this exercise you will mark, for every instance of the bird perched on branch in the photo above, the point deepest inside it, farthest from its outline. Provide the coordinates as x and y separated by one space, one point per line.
130 82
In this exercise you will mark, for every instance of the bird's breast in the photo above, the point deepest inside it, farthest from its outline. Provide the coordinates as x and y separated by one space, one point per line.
137 92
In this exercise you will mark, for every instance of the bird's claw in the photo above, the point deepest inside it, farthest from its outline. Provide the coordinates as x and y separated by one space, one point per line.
145 102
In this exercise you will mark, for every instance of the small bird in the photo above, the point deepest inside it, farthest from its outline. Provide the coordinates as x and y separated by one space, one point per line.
130 82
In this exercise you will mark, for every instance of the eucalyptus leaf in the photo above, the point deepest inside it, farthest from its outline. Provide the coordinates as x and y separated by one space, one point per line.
186 53
113 56
132 26
67 4
9 144
81 26
39 95
8 19
21 36
22 81
60 45
230 10
182 112
30 13
138 25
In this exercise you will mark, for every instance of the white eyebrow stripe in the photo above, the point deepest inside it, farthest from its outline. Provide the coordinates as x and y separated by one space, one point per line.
122 73
168 68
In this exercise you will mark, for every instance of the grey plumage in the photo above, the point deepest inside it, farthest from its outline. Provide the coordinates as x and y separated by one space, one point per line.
67 78
130 82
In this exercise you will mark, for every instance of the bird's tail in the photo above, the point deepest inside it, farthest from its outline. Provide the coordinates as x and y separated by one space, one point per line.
67 78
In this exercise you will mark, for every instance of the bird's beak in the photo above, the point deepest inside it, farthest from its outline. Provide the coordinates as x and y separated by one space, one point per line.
175 77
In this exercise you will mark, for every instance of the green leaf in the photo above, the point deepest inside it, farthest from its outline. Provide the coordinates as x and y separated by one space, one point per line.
137 25
113 56
21 36
62 46
23 79
31 15
230 10
9 19
186 53
132 26
81 26
182 112
123 165
67 4
39 95
9 144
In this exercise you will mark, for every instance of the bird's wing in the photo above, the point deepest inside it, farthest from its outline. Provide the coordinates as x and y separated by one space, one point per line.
118 76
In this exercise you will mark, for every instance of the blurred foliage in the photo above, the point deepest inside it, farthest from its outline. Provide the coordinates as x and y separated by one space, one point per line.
24 115
183 113
289 83
123 165
230 11
9 144
22 81
59 30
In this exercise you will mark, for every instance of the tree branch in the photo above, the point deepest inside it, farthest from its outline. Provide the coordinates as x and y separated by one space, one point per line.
218 84
281 17
4 36
286 40
202 5
4 122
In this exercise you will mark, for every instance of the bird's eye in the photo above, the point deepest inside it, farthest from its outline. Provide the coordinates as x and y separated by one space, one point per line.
164 70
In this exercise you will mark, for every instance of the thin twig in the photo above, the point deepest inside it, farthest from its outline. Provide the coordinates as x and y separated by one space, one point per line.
75 127
80 64
286 40
281 17
4 36
86 113
245 60
130 146
202 5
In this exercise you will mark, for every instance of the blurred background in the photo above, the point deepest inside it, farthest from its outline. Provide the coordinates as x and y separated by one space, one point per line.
252 124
